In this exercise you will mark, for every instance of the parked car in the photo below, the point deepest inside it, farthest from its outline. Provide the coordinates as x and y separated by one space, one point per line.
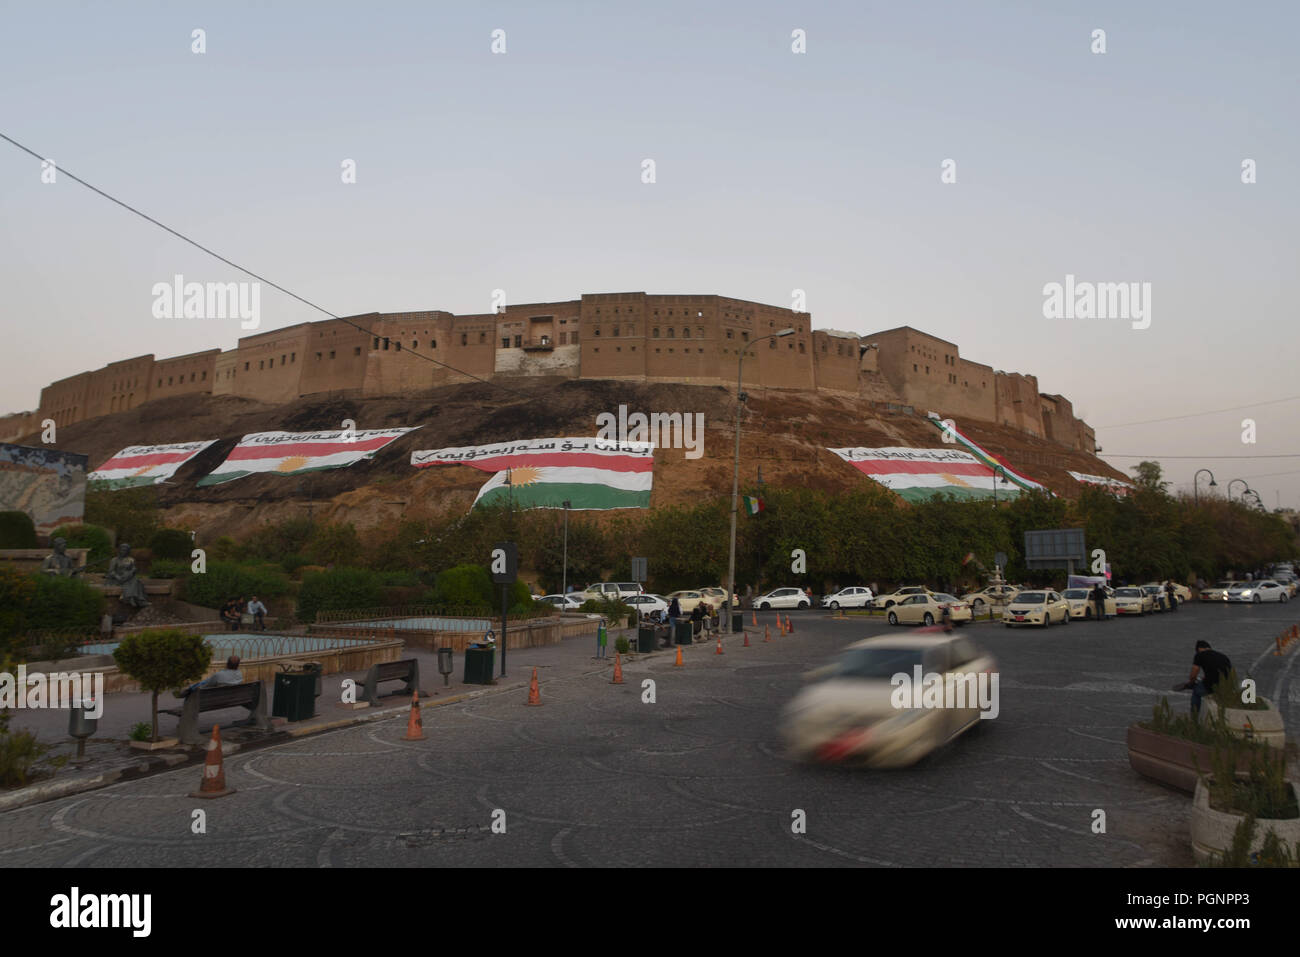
1131 600
1256 592
782 598
928 608
1037 607
990 596
687 598
646 604
854 597
1218 591
1082 605
846 713
570 602
614 591
881 602
1159 599
717 596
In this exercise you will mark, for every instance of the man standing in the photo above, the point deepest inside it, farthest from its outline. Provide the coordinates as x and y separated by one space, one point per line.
1099 600
1172 595
257 610
1209 667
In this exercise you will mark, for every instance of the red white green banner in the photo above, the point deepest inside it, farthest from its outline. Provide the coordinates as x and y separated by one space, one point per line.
292 453
587 473
1110 484
144 464
919 474
753 505
995 462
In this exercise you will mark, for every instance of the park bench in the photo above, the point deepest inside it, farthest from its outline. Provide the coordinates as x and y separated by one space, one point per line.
249 695
407 669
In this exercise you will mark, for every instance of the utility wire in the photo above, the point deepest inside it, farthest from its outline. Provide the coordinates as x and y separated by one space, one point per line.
249 272
1117 455
1197 415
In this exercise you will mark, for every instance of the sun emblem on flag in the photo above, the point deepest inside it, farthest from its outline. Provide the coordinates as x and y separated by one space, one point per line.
524 475
954 480
143 471
292 463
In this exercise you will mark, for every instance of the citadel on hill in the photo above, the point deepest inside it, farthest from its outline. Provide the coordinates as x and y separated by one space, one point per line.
630 335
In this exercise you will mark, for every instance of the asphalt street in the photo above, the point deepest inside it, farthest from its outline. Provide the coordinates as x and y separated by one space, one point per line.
596 776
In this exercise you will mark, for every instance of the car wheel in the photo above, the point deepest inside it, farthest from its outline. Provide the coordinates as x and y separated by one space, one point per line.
765 606
927 618
889 604
1282 598
1066 619
835 604
893 618
803 604
1257 599
977 606
1087 613
1047 620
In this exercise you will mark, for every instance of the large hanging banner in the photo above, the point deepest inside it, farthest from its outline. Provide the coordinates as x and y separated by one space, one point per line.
292 453
988 458
144 465
1110 484
50 486
919 474
588 473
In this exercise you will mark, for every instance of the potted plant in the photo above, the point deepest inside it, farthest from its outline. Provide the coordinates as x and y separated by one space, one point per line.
1174 749
1235 814
160 659
1256 718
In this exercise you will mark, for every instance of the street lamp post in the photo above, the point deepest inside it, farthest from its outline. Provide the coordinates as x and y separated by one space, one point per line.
1196 495
999 474
1234 482
564 582
735 473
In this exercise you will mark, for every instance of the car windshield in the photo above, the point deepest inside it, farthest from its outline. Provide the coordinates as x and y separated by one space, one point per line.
877 662
941 596
1129 593
1076 593
1031 598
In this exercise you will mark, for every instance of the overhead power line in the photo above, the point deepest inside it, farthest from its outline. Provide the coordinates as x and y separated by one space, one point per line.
1118 455
1197 415
63 171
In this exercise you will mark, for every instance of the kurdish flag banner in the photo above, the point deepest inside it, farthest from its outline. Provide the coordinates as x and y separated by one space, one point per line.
1113 485
144 465
588 473
919 474
291 453
1019 480
753 505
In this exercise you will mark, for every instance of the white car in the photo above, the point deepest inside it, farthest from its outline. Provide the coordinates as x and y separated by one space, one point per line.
1131 600
856 597
1219 591
1082 605
615 591
646 604
1040 606
782 598
570 602
847 713
1256 592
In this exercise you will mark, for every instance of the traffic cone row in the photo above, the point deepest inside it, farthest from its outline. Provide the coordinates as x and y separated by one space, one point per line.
1284 639
618 670
767 632
789 626
746 645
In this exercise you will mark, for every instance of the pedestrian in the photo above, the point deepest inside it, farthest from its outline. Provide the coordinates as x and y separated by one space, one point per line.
674 611
1200 584
1099 600
258 611
230 614
808 594
1172 595
1213 666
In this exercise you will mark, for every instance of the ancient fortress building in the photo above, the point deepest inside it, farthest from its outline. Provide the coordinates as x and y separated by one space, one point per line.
630 335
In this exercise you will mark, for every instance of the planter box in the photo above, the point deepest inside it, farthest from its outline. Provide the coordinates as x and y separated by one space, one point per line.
1169 760
1212 830
1263 726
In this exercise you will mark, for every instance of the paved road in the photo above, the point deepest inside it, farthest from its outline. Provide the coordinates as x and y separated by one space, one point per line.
597 777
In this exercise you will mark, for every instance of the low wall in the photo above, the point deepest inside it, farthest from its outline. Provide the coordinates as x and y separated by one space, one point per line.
27 560
527 634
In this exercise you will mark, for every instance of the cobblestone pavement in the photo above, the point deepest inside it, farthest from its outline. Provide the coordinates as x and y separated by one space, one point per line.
597 777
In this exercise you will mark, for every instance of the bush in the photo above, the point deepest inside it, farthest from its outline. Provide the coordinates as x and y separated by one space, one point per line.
140 731
171 543
622 646
465 586
226 580
64 604
17 530
92 537
161 659
16 593
167 568
338 589
19 750
130 513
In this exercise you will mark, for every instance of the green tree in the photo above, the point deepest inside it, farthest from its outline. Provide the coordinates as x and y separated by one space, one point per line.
92 537
1147 476
338 589
132 514
17 530
171 543
161 659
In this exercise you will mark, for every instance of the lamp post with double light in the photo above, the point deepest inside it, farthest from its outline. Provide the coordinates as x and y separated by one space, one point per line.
735 474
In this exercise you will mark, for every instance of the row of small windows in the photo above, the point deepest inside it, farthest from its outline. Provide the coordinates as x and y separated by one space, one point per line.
171 379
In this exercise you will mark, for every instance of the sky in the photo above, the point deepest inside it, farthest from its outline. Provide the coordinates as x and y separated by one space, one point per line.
775 171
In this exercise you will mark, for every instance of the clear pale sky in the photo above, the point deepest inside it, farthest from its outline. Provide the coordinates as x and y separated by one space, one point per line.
775 172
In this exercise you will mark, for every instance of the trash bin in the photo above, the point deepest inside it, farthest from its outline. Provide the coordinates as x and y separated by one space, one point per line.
295 695
737 622
682 632
645 638
480 664
317 669
445 665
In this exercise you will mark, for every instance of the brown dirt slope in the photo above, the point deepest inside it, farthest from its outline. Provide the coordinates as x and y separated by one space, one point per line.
786 433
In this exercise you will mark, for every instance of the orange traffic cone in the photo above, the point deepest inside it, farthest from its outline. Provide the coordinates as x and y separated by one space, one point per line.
618 670
746 644
214 774
789 626
780 625
767 632
678 663
534 695
753 615
414 726
719 651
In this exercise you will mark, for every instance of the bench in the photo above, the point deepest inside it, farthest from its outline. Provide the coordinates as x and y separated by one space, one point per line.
407 669
249 695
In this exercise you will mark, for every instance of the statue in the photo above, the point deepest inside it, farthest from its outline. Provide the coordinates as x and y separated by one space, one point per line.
121 571
59 562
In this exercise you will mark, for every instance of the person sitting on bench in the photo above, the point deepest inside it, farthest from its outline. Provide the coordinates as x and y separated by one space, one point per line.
230 675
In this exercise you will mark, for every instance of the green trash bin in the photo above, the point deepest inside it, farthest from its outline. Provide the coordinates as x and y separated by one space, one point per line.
682 631
295 695
480 665
645 639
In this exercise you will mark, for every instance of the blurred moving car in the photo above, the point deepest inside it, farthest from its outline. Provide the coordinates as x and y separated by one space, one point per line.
687 599
645 604
1037 607
717 597
995 595
855 597
1130 600
1082 605
1218 591
1256 592
846 714
881 602
928 608
570 602
783 598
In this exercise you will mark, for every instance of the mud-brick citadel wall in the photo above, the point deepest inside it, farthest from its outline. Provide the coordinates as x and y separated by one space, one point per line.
622 336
